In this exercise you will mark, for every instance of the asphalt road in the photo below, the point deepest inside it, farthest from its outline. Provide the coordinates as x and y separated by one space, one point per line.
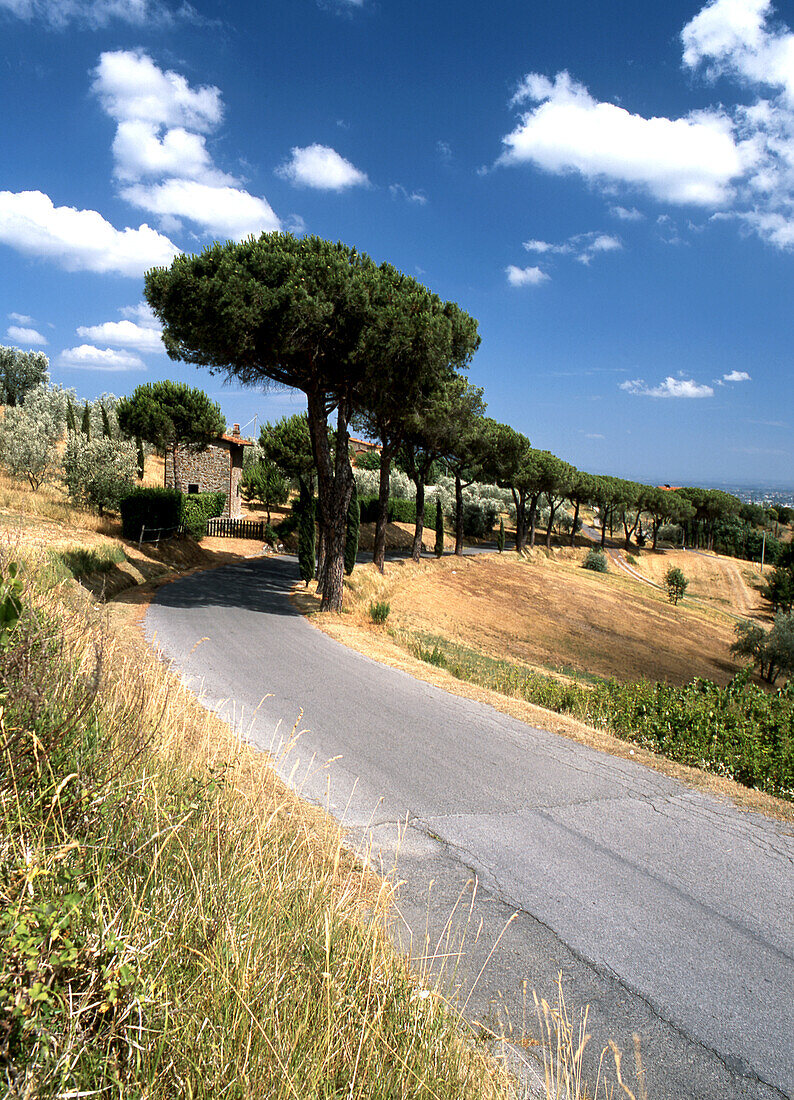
665 910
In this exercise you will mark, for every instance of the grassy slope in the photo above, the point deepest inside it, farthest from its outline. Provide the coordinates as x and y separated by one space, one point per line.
175 922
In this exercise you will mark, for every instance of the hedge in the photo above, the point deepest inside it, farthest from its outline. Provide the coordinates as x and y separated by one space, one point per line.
166 510
150 508
400 511
197 508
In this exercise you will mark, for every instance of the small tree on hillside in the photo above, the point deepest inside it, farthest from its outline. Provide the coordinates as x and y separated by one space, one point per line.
500 538
171 415
771 651
29 433
21 372
263 483
85 423
675 584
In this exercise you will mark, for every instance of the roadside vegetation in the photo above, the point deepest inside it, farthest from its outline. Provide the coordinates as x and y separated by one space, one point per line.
173 921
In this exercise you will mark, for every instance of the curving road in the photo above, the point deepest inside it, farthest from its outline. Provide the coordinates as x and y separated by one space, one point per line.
667 911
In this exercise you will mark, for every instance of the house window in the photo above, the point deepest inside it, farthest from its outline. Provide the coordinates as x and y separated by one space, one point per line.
192 488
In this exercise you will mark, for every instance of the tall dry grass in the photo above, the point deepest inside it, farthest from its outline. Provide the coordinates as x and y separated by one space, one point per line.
174 921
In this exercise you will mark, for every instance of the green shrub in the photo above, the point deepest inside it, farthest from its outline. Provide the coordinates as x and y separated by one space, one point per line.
595 560
306 537
379 611
478 519
154 509
675 584
400 511
196 509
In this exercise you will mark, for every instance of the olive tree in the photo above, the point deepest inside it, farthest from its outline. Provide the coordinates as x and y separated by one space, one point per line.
21 372
99 472
29 434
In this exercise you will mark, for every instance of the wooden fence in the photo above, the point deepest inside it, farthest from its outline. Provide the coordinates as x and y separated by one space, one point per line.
223 527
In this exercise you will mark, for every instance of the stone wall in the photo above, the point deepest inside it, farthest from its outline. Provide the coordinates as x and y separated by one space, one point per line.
216 470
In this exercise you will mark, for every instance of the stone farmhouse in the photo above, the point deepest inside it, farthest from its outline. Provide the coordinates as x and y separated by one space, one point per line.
216 470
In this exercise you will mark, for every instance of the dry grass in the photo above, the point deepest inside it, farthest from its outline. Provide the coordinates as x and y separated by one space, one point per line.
245 945
726 584
550 614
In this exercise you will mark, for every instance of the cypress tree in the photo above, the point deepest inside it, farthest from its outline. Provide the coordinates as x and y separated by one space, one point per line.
351 538
306 537
500 538
439 547
105 422
71 423
141 457
85 426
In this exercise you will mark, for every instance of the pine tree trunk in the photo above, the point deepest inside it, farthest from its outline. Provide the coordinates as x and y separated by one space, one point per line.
416 549
458 516
575 521
533 509
335 485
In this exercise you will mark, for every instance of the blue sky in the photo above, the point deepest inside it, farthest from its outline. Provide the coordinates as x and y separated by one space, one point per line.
608 188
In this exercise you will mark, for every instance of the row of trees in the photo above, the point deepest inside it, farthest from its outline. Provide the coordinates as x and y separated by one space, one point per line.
387 357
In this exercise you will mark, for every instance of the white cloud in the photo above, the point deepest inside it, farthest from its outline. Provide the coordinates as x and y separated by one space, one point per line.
736 376
97 13
322 168
737 160
685 160
734 37
670 387
142 314
525 276
86 357
139 151
79 240
541 246
397 191
626 213
26 335
131 87
584 246
225 212
20 318
124 334
160 151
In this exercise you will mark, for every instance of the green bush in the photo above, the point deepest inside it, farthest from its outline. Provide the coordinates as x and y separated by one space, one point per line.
155 509
379 611
596 560
400 511
478 519
196 509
